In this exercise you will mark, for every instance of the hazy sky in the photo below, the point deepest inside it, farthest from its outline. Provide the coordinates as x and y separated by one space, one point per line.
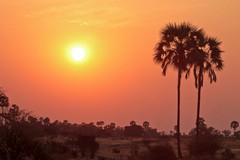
118 81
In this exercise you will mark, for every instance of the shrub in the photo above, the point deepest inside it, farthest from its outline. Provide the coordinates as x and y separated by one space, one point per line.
204 146
227 154
134 150
87 145
115 150
160 152
146 142
17 144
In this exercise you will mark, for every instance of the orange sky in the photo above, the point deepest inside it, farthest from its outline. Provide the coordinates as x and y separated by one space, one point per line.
118 82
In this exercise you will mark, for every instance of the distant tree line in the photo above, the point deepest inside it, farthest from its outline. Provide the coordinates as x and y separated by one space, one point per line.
24 136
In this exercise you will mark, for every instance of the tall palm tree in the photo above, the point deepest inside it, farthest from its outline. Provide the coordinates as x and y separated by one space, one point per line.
171 50
205 57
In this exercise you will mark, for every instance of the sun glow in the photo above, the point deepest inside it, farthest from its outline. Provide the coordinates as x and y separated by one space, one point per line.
78 54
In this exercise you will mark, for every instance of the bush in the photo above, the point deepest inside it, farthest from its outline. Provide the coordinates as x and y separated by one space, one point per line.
17 144
146 142
115 150
87 145
158 152
205 146
227 154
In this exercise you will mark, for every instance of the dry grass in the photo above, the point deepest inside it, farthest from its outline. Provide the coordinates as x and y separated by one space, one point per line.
125 144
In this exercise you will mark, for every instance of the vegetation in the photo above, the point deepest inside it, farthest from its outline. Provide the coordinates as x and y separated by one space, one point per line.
23 136
205 57
183 47
171 51
234 125
208 142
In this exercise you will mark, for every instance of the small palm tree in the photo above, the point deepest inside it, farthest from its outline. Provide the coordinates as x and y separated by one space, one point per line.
204 58
171 51
234 125
146 125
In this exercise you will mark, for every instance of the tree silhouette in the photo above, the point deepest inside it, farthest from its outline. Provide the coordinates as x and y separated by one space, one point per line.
172 50
146 125
205 57
132 123
46 121
87 144
100 124
3 103
226 133
234 125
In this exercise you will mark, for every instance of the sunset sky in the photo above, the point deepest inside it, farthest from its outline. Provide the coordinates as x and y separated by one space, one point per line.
118 80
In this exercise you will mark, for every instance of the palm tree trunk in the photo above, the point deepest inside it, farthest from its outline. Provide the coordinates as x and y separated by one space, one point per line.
178 115
198 110
198 101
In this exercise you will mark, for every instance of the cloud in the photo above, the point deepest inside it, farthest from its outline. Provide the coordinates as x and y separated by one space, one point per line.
91 13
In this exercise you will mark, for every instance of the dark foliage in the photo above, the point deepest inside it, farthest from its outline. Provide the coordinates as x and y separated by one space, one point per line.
161 152
227 154
208 142
86 145
204 146
17 144
134 131
115 150
146 142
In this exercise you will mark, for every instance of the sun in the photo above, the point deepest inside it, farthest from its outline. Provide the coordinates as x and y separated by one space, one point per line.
78 54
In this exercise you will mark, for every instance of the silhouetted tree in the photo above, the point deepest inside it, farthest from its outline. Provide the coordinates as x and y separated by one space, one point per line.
46 121
203 129
227 154
87 145
134 131
226 133
65 122
100 124
205 57
204 146
132 123
118 131
109 129
207 144
146 125
3 104
18 139
172 50
234 125
32 120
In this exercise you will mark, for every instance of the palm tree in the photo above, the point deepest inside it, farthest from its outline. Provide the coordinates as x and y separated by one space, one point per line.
146 125
205 57
172 50
234 125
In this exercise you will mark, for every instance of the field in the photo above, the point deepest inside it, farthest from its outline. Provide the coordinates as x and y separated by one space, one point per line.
120 148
